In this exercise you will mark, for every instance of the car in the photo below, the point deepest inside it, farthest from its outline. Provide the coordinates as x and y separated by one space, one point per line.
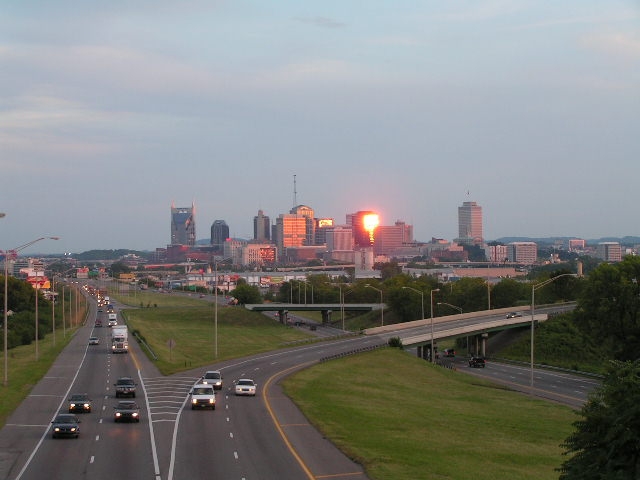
126 411
449 352
65 425
98 324
212 377
203 395
94 341
477 362
113 323
514 314
245 386
125 387
79 403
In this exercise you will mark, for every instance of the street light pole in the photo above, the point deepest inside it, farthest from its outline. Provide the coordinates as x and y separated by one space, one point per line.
421 297
533 293
449 305
381 304
13 254
432 349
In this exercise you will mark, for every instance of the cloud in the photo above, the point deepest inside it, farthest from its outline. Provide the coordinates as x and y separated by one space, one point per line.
623 45
323 22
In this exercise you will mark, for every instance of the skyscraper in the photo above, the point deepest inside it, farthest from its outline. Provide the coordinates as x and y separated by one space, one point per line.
470 223
261 227
183 225
364 225
219 233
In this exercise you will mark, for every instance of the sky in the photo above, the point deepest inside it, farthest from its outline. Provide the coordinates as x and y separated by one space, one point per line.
110 112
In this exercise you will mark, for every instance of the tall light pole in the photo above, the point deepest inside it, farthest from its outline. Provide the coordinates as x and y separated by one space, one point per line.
12 253
381 304
421 297
533 294
432 349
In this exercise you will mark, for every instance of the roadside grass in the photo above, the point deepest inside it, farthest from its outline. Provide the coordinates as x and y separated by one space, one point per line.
24 371
146 299
183 338
403 418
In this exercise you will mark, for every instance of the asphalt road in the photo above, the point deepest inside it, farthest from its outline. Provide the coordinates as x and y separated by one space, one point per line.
263 437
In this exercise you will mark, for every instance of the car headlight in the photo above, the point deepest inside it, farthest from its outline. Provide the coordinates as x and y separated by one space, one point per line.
73 429
194 401
118 414
86 405
57 429
212 400
135 414
73 405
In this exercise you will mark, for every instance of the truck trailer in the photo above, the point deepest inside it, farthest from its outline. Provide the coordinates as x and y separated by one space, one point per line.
119 339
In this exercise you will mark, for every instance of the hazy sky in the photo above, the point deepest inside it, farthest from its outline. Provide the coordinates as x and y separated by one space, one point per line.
111 111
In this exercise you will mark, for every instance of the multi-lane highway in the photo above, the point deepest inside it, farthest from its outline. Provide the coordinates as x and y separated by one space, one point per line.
263 437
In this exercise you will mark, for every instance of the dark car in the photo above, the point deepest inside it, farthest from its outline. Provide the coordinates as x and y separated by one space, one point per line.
65 425
126 411
125 387
514 314
477 362
79 403
449 352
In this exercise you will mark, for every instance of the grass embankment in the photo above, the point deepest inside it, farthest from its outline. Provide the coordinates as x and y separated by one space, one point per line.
403 418
24 371
184 337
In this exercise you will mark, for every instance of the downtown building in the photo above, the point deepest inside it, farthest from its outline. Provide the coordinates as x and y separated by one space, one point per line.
609 251
470 224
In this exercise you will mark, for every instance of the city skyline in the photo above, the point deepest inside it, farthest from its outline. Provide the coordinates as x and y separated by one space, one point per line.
112 111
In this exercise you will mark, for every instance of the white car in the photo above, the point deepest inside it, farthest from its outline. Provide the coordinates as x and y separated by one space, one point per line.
212 377
246 386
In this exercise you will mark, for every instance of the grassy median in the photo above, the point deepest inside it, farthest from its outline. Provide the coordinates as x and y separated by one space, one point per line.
403 419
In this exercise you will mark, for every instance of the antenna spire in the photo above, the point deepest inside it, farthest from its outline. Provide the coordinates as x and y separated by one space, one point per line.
295 193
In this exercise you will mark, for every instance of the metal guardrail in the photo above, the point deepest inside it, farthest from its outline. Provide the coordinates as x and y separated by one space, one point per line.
355 351
548 367
141 341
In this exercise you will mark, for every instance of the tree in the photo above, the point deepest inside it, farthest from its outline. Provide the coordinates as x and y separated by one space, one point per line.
606 442
609 307
245 293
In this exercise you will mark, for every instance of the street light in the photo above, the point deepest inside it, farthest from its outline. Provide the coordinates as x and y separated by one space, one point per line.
449 305
421 297
431 302
381 304
533 293
13 253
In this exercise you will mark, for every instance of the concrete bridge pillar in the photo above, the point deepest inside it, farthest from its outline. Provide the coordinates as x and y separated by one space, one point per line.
326 316
484 337
282 315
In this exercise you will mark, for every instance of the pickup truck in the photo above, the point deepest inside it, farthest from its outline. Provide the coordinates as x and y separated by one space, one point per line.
203 396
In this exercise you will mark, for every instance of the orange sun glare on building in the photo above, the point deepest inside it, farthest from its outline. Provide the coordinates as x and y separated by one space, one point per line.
370 222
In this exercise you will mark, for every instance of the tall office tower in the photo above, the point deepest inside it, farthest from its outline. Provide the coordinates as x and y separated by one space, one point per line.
219 233
290 231
321 225
470 223
310 226
261 227
183 225
364 225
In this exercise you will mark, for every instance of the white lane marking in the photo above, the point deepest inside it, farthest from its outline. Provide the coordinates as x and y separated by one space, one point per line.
92 459
97 438
235 454
230 434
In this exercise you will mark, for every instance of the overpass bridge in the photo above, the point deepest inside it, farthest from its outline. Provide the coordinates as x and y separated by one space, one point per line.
475 325
325 308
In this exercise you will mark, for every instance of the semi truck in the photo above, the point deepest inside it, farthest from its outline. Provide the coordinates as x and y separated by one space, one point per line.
119 339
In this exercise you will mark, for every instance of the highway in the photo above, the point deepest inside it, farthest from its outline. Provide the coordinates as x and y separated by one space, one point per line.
263 437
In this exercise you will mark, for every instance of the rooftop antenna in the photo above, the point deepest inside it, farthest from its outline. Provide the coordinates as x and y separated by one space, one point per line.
295 193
